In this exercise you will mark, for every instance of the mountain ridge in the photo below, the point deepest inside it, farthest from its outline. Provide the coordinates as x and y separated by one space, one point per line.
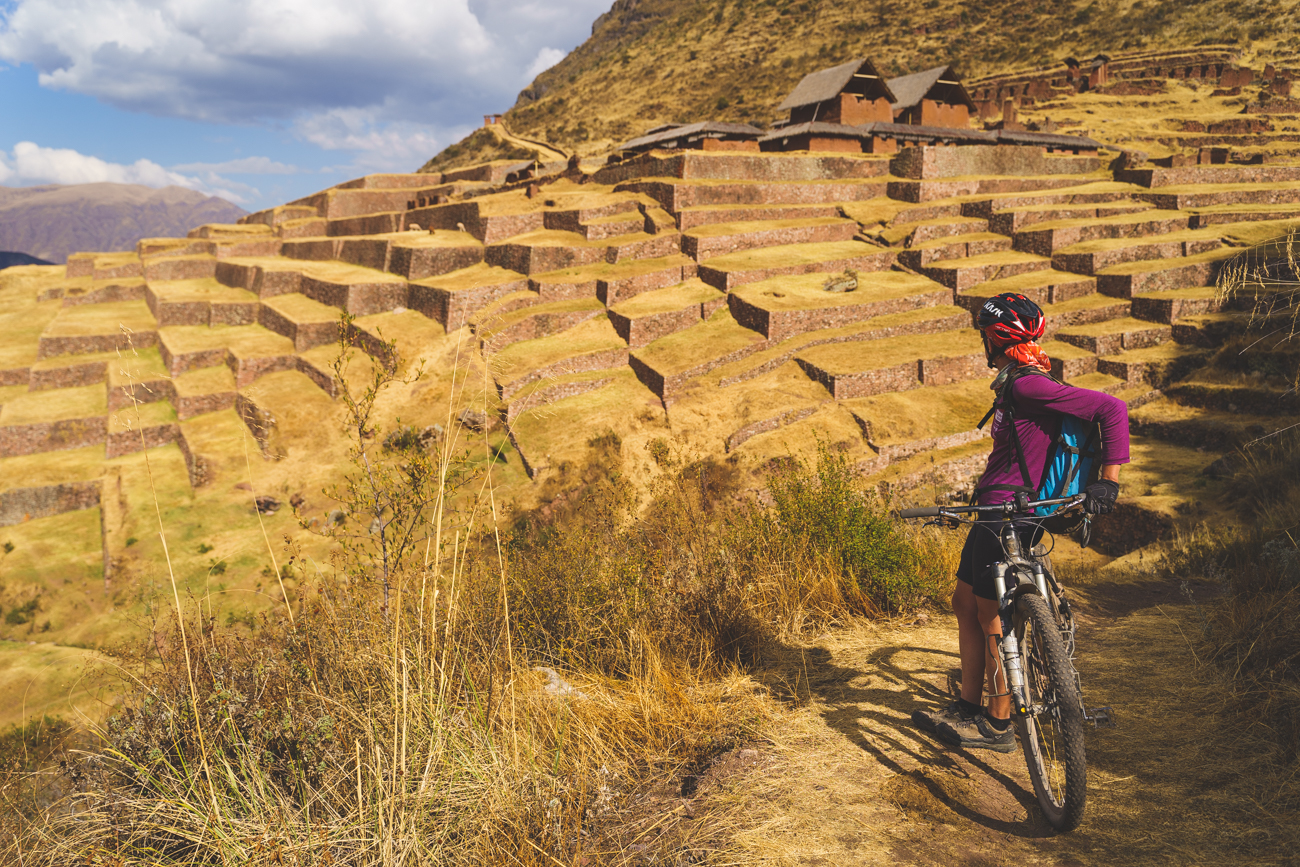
51 221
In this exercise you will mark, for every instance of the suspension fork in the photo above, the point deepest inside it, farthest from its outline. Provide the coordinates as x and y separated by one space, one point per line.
1010 645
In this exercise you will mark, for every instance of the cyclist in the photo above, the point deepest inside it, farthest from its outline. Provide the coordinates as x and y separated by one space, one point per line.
1010 324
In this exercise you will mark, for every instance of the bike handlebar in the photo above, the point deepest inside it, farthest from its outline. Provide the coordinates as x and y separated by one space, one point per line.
1006 509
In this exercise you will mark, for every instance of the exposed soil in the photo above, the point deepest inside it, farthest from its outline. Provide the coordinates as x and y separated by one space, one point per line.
1179 779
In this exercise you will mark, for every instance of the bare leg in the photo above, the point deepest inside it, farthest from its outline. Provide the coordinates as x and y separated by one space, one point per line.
970 640
976 619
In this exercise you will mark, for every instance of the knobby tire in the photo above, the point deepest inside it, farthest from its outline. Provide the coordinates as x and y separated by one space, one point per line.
1052 741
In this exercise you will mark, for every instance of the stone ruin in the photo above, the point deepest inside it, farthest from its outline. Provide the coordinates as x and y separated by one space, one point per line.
687 283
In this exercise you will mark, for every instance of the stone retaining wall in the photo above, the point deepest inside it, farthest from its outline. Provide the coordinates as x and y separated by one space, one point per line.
535 325
1045 242
704 247
767 425
781 324
71 376
29 504
52 347
454 309
52 436
725 281
607 359
1015 160
1161 280
128 442
551 394
645 329
613 290
359 299
418 263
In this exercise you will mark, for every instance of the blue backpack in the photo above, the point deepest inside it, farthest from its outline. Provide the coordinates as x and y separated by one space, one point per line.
1073 459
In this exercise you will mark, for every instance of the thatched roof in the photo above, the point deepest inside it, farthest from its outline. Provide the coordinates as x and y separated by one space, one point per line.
829 83
1047 139
940 84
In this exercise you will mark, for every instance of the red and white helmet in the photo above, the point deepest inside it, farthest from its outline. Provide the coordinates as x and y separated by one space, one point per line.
1009 319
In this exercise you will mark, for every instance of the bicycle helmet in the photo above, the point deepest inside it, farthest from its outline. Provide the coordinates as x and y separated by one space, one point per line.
1007 320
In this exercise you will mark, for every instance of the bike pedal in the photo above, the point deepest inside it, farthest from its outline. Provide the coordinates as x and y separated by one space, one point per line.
1099 716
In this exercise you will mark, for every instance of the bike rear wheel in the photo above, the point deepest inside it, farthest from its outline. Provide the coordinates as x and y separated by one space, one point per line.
1052 737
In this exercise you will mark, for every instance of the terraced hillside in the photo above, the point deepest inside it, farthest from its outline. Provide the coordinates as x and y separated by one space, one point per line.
738 305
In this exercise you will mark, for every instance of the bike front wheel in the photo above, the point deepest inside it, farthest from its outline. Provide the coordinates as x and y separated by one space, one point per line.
1052 735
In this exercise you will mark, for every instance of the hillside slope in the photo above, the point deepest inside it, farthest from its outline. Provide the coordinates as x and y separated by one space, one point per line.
51 221
657 61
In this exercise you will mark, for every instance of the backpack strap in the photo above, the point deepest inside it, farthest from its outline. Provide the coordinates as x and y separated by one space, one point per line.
1006 402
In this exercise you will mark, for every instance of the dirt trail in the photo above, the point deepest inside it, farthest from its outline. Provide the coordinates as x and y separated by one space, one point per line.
547 153
852 782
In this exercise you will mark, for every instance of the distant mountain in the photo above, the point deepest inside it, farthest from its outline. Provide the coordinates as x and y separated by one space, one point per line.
9 260
49 222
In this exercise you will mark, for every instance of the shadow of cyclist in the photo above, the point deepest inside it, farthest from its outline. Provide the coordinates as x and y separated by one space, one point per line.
870 703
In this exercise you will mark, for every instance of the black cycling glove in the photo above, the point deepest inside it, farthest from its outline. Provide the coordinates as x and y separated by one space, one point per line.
1101 497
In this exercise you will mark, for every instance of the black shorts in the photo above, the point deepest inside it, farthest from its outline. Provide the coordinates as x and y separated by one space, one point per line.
983 548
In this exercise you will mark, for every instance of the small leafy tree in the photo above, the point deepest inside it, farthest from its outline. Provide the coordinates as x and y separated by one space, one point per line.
397 480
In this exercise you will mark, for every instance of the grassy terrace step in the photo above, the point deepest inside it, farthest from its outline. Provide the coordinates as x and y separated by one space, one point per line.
544 392
613 226
200 302
722 238
676 195
736 269
919 191
1016 219
1113 336
1200 428
591 345
573 211
1048 237
249 350
615 282
1090 257
956 467
57 420
1212 330
542 443
1156 365
1094 193
550 250
264 277
136 377
412 255
105 266
84 290
918 256
651 315
1161 275
897 425
1224 214
306 322
22 328
748 408
1233 393
782 307
98 328
143 427
1043 287
1084 311
1223 195
895 363
1174 304
891 212
1160 177
923 320
542 320
708 215
961 274
207 389
451 299
914 234
359 291
666 365
1069 362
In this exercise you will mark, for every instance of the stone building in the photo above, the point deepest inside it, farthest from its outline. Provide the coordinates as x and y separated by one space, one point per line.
935 97
851 94
703 136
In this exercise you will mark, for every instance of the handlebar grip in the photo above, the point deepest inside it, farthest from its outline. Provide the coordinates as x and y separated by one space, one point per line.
922 512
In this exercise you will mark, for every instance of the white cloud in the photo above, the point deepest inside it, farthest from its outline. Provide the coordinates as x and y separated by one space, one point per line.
545 59
244 166
389 79
32 164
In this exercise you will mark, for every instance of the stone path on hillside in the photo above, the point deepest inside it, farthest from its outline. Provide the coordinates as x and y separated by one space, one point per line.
848 780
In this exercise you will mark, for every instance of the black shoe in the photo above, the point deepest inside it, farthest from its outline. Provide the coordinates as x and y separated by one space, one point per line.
933 721
978 733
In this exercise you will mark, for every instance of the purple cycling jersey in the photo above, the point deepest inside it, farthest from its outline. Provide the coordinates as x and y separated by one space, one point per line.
1038 400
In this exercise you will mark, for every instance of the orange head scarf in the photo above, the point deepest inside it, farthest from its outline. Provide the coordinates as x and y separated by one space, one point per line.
1029 353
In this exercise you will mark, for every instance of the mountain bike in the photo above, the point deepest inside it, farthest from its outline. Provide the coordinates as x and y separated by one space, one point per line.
1037 654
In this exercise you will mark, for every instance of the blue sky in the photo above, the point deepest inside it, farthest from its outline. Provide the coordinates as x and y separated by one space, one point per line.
260 101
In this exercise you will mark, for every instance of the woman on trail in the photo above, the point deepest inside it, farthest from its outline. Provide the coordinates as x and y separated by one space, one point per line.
1027 410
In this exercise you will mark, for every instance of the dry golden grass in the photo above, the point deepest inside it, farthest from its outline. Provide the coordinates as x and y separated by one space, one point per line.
57 404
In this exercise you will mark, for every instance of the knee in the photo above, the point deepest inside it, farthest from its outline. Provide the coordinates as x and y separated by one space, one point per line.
963 603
